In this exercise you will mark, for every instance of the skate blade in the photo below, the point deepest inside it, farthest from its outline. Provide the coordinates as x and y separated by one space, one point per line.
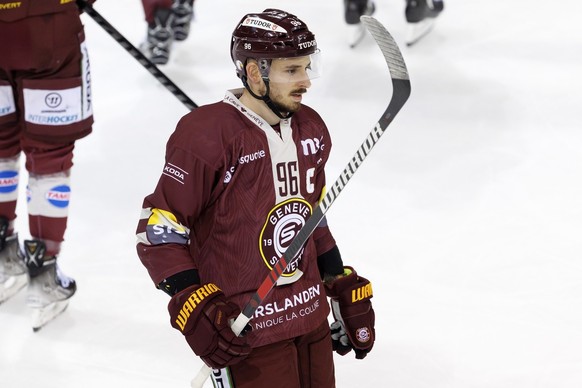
416 31
42 316
12 286
356 33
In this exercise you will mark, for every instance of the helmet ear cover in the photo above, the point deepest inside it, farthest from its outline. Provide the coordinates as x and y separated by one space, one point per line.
264 67
255 71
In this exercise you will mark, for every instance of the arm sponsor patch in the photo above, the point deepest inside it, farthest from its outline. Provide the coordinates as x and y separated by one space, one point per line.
164 228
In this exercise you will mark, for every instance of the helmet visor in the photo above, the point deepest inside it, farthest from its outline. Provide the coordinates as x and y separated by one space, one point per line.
295 69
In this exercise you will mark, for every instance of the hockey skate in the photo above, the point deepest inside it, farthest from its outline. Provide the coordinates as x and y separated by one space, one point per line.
159 37
49 290
13 274
420 16
353 9
183 15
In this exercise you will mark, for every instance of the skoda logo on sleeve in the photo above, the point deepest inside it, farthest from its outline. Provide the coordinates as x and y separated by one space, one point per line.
283 223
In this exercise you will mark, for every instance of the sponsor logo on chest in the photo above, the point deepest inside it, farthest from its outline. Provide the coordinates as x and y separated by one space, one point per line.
253 156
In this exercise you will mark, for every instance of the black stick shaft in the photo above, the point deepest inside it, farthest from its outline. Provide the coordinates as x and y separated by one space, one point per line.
142 59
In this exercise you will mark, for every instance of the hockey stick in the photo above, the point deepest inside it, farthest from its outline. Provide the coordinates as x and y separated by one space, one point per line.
145 62
400 93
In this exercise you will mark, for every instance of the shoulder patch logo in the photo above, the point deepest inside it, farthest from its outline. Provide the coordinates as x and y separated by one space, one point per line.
164 228
175 172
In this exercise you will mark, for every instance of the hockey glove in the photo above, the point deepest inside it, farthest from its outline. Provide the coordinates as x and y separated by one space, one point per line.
202 313
352 309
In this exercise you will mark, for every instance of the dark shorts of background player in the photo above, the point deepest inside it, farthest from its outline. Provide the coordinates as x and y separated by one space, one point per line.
43 48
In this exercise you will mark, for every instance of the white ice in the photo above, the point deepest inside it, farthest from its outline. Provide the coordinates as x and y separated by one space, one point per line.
467 216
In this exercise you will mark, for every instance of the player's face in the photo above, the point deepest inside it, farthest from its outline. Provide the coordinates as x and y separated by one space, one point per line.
289 80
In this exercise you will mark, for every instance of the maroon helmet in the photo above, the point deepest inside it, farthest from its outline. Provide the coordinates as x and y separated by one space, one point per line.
268 35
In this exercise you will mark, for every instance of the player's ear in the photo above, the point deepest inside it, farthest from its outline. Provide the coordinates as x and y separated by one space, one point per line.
253 72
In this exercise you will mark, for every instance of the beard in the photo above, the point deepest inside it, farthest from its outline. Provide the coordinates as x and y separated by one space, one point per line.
286 106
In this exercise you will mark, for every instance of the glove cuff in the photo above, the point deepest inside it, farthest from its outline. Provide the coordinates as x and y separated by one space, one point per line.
349 287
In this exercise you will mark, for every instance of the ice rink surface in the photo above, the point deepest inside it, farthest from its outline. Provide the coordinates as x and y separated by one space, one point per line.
467 216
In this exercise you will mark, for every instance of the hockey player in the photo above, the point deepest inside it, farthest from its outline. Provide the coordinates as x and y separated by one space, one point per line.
45 106
420 15
241 178
353 9
168 21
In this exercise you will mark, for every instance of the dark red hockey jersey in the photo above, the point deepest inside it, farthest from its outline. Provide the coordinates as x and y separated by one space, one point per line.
11 10
232 195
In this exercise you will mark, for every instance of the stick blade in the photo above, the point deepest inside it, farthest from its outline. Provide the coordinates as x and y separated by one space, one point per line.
388 46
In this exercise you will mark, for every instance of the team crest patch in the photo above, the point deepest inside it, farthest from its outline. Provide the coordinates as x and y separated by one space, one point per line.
363 334
281 226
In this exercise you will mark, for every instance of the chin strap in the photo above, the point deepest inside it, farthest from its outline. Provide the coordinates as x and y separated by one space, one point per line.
266 99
